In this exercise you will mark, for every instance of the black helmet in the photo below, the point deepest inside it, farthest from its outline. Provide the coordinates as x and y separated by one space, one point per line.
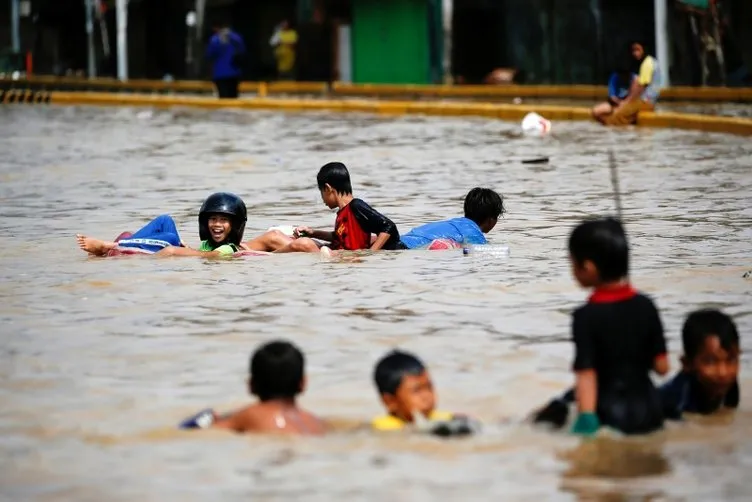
223 203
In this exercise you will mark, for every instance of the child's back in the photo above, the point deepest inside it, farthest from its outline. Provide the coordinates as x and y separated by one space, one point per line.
618 333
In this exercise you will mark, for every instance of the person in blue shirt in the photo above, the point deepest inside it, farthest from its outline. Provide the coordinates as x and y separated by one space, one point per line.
224 52
708 381
619 84
483 207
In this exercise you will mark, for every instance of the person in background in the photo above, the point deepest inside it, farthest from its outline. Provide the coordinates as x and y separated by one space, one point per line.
619 85
284 42
645 89
224 52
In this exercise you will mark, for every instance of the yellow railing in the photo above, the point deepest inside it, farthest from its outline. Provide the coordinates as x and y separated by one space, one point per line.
389 107
577 92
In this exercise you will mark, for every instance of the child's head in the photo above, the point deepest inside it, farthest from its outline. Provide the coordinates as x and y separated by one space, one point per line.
599 252
221 219
484 206
711 351
277 371
404 385
333 180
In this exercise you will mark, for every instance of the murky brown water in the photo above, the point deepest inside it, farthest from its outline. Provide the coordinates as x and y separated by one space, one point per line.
101 358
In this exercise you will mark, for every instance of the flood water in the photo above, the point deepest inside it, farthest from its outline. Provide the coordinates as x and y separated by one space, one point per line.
101 358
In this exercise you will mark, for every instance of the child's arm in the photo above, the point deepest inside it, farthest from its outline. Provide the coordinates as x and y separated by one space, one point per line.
381 239
324 235
586 391
658 340
374 222
586 378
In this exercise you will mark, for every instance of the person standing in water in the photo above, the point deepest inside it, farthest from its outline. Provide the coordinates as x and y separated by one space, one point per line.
224 52
618 336
644 91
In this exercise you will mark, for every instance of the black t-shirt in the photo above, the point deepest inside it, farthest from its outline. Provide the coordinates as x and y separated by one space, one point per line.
356 222
619 334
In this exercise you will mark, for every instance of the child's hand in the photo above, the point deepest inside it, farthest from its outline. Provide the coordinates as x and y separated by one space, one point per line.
302 232
587 424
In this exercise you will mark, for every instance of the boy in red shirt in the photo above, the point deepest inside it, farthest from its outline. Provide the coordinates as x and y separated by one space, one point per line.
356 220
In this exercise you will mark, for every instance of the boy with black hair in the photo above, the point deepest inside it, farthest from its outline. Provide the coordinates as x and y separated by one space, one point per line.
618 336
356 220
483 207
406 389
277 377
707 381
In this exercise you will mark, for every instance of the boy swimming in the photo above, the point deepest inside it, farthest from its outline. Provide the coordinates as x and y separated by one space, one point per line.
406 389
353 228
618 336
221 223
277 377
708 380
483 207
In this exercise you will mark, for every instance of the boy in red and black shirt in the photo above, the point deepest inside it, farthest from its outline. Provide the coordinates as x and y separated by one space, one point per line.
618 337
356 220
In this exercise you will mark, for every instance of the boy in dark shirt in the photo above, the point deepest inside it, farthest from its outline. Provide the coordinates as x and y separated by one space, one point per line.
618 336
707 381
355 222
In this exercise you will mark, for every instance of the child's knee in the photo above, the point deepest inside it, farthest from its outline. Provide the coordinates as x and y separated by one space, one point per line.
304 244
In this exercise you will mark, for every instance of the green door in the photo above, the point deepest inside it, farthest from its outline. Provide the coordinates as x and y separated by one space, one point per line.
390 42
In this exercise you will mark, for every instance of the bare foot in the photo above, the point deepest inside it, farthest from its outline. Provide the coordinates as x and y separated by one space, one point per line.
94 246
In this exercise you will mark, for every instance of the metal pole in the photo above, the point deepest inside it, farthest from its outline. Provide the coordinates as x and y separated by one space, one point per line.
661 40
90 38
15 25
121 12
448 7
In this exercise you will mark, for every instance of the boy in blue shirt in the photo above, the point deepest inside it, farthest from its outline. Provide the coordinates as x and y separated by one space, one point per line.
483 207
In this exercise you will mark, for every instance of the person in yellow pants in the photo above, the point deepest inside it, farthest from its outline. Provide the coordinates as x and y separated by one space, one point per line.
284 40
643 93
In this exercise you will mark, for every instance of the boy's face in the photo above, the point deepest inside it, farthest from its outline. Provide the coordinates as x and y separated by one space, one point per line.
585 273
415 394
329 196
219 227
715 368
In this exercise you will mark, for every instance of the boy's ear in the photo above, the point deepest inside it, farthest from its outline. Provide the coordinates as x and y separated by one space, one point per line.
589 267
390 402
303 384
250 386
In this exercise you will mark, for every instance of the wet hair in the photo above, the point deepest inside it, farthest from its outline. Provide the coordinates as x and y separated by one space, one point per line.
277 369
393 367
335 174
482 204
603 242
705 323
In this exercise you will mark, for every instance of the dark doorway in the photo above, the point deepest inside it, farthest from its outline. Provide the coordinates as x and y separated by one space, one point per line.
478 39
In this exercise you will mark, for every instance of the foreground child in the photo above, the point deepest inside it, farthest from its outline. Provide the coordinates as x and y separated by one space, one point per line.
356 221
277 378
405 388
707 381
618 336
483 207
221 222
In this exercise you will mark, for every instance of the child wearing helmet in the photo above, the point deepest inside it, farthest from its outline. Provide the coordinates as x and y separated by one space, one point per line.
221 222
